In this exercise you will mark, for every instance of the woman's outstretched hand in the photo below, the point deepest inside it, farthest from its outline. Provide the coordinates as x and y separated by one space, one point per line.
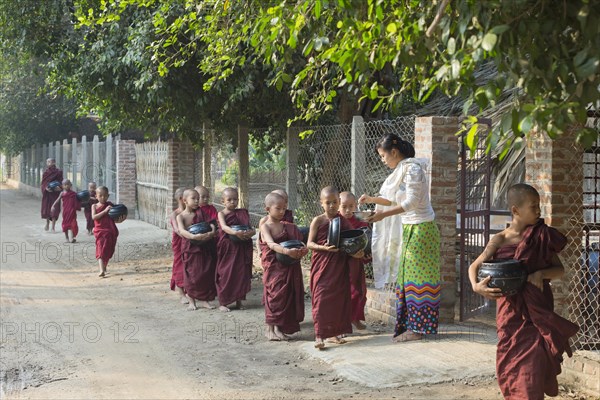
378 216
365 199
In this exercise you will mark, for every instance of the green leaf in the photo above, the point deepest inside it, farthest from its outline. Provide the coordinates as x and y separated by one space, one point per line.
470 139
489 41
391 28
588 68
499 29
318 9
526 124
451 46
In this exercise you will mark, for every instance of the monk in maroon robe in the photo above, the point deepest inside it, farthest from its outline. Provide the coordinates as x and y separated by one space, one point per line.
176 239
70 206
234 262
358 282
87 208
531 336
283 291
51 174
105 230
329 276
199 267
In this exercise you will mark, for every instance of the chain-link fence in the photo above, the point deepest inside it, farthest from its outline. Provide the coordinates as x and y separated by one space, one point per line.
583 295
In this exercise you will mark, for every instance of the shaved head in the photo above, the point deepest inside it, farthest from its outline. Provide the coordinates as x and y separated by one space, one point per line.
179 193
282 193
345 196
230 191
273 198
328 191
102 189
519 193
189 192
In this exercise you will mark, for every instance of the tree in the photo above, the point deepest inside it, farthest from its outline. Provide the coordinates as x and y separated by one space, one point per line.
392 51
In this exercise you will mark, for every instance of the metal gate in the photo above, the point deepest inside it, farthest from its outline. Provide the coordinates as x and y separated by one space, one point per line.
475 210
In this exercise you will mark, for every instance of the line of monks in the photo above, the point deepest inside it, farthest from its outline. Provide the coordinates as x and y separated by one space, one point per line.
217 263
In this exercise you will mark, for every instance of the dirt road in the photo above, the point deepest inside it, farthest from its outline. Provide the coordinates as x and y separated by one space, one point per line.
65 333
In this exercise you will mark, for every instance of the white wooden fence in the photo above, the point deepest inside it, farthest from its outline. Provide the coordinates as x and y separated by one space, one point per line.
151 163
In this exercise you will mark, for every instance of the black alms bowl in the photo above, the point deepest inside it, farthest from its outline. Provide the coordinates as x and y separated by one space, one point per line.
239 228
353 240
304 231
83 196
200 227
289 244
53 185
117 212
369 234
507 274
333 234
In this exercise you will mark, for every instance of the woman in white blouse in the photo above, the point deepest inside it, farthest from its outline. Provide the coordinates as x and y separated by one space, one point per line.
405 194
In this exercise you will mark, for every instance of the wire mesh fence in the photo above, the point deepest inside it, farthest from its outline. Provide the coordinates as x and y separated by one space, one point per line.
582 255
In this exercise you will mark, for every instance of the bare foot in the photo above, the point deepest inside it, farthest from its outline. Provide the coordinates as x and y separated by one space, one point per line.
206 304
272 336
279 334
73 240
191 307
407 337
319 344
184 300
224 309
102 274
359 325
336 340
238 305
46 228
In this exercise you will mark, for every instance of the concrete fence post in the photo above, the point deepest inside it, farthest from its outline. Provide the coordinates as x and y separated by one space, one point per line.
358 161
291 176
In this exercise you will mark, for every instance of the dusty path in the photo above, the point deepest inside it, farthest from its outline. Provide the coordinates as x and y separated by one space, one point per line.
65 333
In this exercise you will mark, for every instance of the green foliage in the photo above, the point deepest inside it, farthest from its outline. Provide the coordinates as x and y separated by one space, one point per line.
387 51
230 177
266 154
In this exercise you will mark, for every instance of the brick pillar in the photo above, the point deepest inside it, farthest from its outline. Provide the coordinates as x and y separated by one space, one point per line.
435 139
555 169
180 168
126 189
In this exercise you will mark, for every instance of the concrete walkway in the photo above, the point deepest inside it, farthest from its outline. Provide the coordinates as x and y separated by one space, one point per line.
456 353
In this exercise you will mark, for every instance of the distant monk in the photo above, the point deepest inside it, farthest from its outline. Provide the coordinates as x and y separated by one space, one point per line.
87 209
177 270
105 230
51 174
70 206
234 261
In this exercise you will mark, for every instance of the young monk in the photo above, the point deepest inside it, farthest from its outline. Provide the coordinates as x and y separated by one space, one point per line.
198 260
288 216
70 206
531 336
234 259
105 230
177 271
283 291
87 209
207 209
49 196
358 282
329 277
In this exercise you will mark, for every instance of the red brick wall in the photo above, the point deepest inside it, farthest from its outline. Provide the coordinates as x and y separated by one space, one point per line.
436 140
126 189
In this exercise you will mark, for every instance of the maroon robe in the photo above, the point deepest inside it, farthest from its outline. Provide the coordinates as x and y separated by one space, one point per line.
288 216
283 290
358 280
87 210
106 233
178 267
71 205
198 267
330 287
48 198
531 336
234 262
